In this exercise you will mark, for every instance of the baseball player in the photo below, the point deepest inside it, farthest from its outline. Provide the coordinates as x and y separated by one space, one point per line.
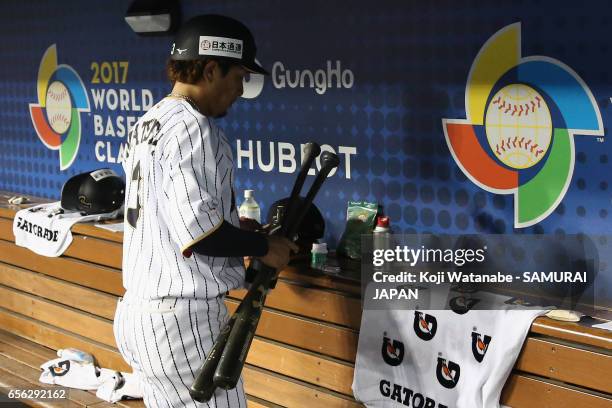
183 247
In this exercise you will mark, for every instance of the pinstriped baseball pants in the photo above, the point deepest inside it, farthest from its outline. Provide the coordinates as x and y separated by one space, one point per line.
165 342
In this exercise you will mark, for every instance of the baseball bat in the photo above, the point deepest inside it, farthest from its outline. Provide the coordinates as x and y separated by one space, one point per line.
234 355
203 387
311 151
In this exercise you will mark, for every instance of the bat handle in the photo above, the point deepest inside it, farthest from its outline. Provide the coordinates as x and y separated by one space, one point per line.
329 161
257 268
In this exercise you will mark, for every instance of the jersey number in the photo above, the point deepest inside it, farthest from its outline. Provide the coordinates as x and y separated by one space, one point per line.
133 211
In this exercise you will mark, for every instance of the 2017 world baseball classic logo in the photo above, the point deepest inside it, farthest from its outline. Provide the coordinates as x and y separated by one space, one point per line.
522 114
61 99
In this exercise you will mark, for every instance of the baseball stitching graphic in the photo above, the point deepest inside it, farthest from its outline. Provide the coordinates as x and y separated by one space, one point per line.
58 107
518 126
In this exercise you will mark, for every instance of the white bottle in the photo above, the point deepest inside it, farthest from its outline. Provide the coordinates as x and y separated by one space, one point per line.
249 207
382 238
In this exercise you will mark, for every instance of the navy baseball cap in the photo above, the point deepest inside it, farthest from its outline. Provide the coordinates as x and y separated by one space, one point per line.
312 226
96 192
216 36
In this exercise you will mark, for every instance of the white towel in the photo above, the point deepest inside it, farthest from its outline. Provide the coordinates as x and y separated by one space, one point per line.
74 374
110 385
440 358
45 228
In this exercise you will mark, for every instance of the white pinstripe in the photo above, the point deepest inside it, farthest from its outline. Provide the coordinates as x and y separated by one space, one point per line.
173 307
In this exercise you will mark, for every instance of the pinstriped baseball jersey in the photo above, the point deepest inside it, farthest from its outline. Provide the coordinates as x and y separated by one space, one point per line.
179 177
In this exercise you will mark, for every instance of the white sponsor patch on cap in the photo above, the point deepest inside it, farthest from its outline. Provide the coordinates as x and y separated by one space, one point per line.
102 174
220 46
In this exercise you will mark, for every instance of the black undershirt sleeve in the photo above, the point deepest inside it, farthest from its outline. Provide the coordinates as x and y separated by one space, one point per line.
229 241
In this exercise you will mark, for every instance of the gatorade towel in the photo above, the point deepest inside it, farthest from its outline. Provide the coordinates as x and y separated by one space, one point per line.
439 358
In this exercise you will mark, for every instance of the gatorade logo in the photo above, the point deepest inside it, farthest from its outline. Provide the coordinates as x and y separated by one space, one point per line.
480 346
425 326
462 305
392 351
448 373
60 369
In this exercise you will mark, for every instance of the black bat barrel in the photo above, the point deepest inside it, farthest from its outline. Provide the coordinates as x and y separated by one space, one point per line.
234 355
203 386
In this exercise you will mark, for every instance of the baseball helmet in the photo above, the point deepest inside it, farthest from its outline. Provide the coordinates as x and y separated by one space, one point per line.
215 36
312 226
96 192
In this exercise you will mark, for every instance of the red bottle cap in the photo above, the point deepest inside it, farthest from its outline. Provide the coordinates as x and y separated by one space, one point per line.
382 222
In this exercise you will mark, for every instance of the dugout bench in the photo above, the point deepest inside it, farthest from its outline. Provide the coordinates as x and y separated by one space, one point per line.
304 351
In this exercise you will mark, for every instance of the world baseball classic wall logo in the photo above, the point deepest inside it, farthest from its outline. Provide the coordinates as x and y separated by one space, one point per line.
61 99
522 114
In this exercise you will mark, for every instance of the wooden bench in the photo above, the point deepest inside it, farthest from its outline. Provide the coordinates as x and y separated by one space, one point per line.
304 351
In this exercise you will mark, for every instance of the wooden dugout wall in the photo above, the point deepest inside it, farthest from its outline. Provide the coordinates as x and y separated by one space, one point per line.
304 352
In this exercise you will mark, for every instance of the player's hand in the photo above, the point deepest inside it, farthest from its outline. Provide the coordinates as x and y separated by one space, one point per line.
279 251
249 224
